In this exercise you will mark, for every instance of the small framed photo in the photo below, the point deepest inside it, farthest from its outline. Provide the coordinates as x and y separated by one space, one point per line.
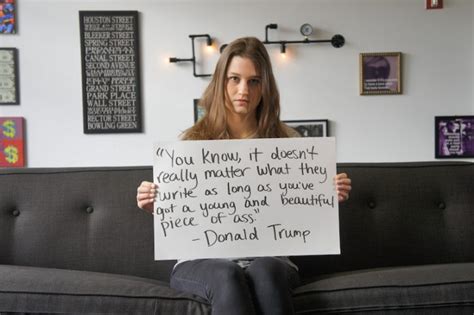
198 110
310 128
12 142
380 73
454 137
9 90
7 17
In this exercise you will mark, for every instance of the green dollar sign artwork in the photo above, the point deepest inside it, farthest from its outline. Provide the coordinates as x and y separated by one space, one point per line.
11 154
9 128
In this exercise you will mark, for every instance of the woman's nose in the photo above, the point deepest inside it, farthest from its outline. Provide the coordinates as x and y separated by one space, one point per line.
243 87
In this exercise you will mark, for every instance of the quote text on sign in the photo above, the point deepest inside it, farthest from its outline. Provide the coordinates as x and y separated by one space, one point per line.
241 198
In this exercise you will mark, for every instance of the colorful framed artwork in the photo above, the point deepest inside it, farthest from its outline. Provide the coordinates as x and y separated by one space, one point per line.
111 93
380 73
310 128
454 137
12 142
7 17
9 88
198 110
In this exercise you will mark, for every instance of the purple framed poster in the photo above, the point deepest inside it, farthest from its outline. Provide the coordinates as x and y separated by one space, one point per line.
454 137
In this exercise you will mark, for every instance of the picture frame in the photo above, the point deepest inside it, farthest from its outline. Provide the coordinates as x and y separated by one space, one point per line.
454 137
199 112
8 19
110 58
9 86
310 127
12 142
380 73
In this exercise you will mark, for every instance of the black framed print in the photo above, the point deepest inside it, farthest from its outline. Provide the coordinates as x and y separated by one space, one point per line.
454 137
9 83
110 71
310 128
198 110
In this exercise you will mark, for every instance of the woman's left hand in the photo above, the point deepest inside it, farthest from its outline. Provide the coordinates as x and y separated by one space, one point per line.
343 186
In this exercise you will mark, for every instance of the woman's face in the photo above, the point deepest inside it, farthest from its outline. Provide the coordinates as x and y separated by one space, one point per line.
243 87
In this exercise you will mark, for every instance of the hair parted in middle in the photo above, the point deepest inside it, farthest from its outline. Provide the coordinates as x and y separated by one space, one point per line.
213 124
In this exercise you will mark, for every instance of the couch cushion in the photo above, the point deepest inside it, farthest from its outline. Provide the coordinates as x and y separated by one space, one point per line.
430 289
31 289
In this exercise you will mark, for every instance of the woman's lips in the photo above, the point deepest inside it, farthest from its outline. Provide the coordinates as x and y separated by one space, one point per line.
242 102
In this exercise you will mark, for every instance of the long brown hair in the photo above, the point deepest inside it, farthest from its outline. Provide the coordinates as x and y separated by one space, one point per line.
213 125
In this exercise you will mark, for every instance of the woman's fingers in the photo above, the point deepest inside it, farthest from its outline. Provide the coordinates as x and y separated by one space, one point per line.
343 186
146 194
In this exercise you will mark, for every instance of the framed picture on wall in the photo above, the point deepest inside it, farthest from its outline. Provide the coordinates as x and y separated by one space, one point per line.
110 57
310 128
9 90
380 73
454 137
12 142
7 17
198 110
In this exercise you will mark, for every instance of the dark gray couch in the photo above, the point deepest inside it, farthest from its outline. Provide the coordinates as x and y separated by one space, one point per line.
73 241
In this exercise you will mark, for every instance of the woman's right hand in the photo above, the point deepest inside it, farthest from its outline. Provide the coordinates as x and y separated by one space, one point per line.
146 194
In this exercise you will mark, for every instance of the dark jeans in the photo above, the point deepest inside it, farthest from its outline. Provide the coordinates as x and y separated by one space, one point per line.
265 287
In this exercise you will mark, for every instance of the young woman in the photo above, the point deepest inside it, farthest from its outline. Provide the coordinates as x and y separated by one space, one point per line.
241 102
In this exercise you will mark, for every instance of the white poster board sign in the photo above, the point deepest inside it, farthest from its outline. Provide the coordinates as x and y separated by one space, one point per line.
245 198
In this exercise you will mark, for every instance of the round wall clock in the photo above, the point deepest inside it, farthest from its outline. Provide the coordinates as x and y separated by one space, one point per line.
306 29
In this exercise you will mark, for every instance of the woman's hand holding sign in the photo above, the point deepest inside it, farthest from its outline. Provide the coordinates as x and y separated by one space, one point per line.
146 194
343 186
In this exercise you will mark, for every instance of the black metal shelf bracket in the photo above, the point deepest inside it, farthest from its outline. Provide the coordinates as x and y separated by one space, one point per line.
336 41
193 58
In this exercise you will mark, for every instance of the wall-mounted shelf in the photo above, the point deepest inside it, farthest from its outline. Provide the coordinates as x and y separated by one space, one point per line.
336 41
193 58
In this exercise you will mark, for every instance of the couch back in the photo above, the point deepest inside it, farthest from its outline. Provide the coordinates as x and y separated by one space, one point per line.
87 219
402 214
78 218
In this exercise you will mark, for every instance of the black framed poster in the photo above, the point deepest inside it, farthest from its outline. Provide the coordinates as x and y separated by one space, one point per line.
9 88
310 127
199 111
110 71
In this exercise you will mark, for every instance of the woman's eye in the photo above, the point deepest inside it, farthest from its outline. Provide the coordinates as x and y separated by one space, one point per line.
234 79
254 82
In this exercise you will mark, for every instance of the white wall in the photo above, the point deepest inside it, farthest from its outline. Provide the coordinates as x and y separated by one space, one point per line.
315 81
